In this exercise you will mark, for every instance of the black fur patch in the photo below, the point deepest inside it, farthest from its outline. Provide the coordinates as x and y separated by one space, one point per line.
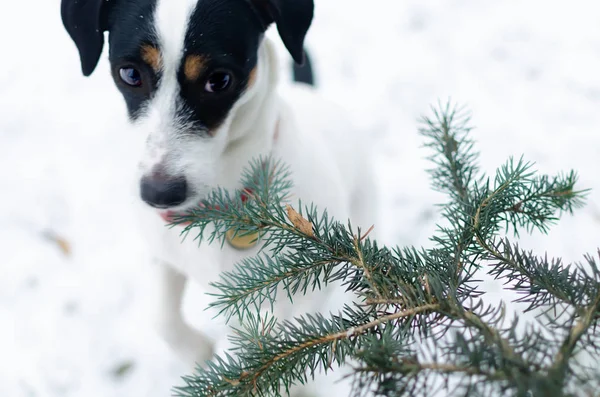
131 26
226 34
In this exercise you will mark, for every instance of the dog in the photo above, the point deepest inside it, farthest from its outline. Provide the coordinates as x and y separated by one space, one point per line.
201 84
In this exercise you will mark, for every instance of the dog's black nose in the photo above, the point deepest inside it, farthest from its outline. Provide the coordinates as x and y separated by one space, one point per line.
163 192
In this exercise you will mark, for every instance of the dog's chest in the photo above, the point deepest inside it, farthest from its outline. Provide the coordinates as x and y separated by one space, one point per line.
199 260
204 262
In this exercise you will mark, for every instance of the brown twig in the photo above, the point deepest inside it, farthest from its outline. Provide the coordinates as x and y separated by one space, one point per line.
253 377
577 332
360 263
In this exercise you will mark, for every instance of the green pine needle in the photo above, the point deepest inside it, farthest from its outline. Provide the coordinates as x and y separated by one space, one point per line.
420 321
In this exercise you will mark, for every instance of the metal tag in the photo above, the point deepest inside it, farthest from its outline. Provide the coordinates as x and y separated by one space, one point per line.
242 241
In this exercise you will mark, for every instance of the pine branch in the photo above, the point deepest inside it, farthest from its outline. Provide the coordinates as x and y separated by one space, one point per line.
325 254
448 132
589 318
287 348
420 312
543 282
456 174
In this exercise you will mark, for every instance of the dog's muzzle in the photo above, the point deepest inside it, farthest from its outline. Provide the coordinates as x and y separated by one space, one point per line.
163 192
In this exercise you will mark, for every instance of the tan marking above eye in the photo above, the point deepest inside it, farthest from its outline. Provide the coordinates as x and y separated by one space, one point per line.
151 55
193 67
252 76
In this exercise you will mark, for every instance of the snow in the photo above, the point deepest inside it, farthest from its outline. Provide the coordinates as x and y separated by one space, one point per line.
69 322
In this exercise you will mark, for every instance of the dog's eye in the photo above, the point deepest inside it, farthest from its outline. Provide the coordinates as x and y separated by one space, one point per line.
217 82
131 76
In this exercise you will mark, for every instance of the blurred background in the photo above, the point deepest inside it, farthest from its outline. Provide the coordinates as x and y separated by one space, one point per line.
73 286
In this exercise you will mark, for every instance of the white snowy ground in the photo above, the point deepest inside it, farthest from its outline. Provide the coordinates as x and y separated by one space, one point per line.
529 70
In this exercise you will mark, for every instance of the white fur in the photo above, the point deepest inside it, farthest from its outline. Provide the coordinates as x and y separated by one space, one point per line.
328 164
168 146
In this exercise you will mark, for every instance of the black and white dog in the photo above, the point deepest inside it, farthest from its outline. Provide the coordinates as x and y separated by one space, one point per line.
200 81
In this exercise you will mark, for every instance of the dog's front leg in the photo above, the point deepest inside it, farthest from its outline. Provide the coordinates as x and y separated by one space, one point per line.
191 346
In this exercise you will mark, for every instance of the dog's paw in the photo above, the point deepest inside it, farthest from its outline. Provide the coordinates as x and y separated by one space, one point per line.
191 346
202 353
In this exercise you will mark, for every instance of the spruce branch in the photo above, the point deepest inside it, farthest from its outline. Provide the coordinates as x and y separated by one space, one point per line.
456 161
288 346
419 317
588 319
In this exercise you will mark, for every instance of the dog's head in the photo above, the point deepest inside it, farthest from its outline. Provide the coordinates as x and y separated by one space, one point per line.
183 67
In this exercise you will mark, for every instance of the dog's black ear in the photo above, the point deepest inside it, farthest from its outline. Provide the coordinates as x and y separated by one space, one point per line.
293 19
86 21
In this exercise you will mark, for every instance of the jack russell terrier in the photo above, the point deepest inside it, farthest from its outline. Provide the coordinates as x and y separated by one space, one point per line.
200 81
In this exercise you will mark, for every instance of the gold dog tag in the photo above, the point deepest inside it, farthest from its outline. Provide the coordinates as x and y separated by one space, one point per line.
242 241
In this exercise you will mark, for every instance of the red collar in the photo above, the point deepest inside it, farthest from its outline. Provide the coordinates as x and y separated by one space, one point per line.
169 216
